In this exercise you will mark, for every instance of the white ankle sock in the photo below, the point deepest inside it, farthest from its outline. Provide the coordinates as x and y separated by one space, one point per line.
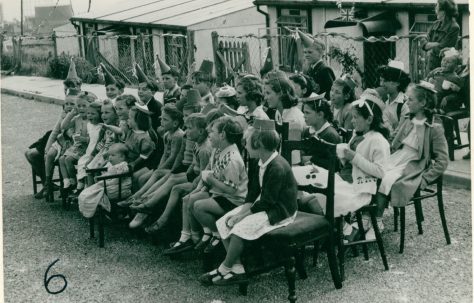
224 270
66 183
185 236
238 268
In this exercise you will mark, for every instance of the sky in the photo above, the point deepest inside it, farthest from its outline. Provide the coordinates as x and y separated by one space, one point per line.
12 8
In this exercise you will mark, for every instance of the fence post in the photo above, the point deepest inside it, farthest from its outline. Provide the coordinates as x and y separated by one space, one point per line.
247 67
218 63
55 46
190 47
142 42
18 66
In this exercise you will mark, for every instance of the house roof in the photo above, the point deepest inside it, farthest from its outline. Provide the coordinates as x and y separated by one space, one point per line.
165 13
369 3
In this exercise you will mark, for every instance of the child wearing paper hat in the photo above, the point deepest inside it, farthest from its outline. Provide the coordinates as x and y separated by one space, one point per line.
394 80
446 82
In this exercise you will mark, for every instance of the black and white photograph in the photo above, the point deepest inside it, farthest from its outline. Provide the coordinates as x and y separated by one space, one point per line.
223 151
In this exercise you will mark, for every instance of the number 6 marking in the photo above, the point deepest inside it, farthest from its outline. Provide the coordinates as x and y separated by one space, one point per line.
47 280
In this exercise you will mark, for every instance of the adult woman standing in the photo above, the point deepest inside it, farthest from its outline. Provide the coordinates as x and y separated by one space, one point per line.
443 33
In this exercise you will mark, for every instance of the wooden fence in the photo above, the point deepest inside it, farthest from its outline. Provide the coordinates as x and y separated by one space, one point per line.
230 58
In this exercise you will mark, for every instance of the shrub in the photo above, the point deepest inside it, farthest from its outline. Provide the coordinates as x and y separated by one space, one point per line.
8 62
58 68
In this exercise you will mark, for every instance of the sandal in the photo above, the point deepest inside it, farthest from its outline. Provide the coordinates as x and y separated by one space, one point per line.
206 279
231 278
212 245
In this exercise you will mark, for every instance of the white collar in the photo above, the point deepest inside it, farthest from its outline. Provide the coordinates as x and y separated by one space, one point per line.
323 128
264 165
315 64
399 99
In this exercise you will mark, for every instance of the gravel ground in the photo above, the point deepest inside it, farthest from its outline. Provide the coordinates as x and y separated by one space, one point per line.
132 269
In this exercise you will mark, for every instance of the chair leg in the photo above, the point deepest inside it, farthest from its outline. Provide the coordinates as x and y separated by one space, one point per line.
457 133
101 226
290 272
402 229
300 256
91 227
341 249
315 252
378 237
362 234
35 186
441 212
395 218
448 131
419 215
332 260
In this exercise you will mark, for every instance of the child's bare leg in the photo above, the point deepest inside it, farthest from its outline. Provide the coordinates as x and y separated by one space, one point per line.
71 171
161 192
177 191
162 177
206 212
234 251
64 172
37 163
145 181
49 163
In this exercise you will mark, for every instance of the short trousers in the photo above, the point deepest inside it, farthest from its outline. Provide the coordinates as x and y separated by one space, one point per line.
224 203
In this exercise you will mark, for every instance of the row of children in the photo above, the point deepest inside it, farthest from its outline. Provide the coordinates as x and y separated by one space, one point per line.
201 162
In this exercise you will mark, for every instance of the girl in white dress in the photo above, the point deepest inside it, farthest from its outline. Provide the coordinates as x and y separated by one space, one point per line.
95 195
274 207
420 147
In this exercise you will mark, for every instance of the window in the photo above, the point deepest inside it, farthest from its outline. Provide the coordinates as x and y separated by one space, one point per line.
290 18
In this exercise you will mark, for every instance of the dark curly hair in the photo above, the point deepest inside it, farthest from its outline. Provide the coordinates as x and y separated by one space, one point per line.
232 130
304 82
253 89
396 75
174 113
449 7
320 105
283 86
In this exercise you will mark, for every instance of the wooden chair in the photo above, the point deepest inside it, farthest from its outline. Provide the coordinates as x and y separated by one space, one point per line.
286 245
100 212
36 181
371 209
346 134
451 130
416 201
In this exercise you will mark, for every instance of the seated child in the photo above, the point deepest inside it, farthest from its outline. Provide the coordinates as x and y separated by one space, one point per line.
318 115
201 151
188 238
368 151
58 142
171 122
394 80
446 82
342 95
274 207
226 181
420 151
77 120
106 136
95 195
93 130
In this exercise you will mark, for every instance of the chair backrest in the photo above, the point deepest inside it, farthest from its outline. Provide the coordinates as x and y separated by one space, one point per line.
346 134
309 146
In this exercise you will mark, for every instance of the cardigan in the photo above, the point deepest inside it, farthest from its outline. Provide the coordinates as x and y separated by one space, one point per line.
278 192
368 162
155 107
432 160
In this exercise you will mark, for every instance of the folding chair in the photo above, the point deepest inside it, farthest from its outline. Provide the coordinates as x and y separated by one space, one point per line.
419 196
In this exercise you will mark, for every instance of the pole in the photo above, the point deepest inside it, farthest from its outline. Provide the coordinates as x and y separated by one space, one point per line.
21 21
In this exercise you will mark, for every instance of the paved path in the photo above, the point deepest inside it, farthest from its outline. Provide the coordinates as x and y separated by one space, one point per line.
129 269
